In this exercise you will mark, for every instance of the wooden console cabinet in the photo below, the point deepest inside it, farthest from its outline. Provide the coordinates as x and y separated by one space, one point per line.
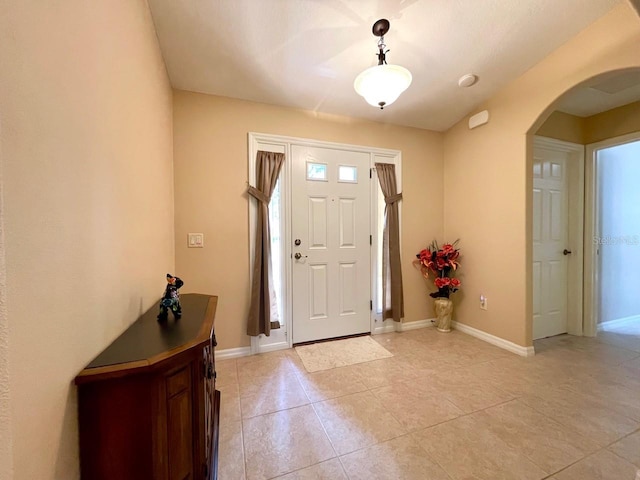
147 405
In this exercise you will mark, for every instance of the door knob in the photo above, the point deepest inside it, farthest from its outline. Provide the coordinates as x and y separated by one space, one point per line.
298 256
566 252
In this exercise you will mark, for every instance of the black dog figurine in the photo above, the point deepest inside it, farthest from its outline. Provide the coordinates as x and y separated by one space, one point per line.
171 299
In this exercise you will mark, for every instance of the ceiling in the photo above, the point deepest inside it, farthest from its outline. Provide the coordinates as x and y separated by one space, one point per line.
307 53
602 94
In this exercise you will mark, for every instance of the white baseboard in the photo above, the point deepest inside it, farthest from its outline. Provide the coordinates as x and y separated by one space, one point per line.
402 327
272 347
392 327
618 322
493 340
384 329
232 353
405 327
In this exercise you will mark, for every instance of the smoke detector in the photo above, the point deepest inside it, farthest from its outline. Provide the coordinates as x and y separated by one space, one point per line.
467 80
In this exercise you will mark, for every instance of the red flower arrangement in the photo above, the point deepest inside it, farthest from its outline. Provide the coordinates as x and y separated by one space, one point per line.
442 262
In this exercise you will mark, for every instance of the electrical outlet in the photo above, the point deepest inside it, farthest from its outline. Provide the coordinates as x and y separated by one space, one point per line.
484 302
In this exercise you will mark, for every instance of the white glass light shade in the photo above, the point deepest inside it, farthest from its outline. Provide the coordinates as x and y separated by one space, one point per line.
381 85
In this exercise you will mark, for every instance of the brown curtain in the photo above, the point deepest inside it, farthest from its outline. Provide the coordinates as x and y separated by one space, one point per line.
268 166
392 295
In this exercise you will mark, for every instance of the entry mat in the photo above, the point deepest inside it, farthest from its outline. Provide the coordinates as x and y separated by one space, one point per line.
340 353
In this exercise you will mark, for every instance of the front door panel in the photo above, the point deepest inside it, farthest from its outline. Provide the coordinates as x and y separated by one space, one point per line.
331 223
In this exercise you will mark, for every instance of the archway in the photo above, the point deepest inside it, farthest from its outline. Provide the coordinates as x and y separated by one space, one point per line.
605 105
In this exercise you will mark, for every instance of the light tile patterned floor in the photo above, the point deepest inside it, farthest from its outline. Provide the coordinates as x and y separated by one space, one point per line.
445 407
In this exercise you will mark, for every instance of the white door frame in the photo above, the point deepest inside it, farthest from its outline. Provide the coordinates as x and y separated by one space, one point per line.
575 184
592 230
280 338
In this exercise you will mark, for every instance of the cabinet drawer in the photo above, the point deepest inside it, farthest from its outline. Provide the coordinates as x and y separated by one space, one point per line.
179 381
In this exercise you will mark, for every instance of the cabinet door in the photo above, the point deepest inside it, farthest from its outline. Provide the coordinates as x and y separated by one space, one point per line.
209 408
180 425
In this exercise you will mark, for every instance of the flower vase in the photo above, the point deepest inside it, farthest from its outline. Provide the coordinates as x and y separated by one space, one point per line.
444 308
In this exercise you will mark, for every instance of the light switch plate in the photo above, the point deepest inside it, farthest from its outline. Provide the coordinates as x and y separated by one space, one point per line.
195 240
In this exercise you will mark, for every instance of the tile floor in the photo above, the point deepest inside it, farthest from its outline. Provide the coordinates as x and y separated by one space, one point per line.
445 406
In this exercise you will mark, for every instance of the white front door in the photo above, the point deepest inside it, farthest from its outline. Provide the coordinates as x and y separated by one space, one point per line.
330 235
550 241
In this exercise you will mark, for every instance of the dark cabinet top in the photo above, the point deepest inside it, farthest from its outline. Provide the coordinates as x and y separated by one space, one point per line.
148 341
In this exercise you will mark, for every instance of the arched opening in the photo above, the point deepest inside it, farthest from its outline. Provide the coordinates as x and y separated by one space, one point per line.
582 242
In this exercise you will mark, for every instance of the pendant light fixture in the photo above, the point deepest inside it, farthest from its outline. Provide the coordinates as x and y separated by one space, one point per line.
382 84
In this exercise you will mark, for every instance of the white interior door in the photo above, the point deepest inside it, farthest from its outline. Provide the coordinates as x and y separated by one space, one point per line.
550 241
330 235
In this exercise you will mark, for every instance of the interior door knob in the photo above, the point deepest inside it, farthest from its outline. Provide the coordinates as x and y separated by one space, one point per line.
298 256
566 252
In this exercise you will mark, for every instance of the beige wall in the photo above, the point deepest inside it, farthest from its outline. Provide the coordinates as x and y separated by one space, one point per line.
6 440
86 138
563 126
211 171
613 123
488 180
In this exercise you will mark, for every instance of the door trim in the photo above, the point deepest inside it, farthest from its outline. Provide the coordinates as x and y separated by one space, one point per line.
592 230
280 338
575 268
